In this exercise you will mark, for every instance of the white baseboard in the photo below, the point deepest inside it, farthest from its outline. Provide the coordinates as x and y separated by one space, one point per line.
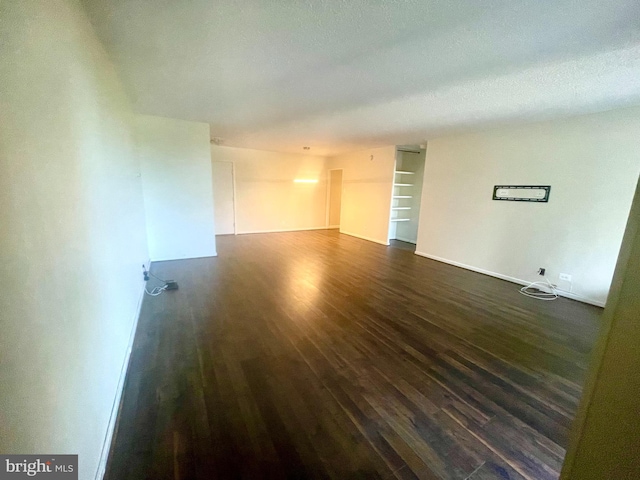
519 281
365 238
169 259
282 230
115 408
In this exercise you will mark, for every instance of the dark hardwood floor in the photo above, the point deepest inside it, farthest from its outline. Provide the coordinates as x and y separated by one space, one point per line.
319 355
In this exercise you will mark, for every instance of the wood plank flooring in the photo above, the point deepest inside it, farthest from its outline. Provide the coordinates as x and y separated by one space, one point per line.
319 355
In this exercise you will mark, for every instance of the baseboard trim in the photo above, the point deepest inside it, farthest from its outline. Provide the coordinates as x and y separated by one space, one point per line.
170 259
518 281
115 409
251 232
333 226
362 237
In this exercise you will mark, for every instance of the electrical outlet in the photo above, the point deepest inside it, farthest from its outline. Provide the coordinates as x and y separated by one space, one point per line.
565 276
541 271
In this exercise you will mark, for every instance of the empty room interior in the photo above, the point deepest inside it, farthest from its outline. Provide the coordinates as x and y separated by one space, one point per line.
320 239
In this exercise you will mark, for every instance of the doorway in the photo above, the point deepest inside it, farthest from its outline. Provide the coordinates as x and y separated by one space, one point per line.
224 198
407 193
334 198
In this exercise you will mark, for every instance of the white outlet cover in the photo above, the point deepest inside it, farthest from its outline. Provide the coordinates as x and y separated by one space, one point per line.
565 276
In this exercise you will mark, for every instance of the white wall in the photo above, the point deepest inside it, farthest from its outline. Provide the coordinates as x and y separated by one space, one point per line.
592 164
72 236
177 187
267 199
223 197
367 187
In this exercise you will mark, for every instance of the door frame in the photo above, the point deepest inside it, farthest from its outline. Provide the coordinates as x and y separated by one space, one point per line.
328 202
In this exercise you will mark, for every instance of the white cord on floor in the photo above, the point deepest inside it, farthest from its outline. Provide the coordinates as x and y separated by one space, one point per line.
540 294
156 291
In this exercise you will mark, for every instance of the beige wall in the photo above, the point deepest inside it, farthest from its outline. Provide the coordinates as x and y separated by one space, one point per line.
591 163
267 199
177 187
72 236
367 186
335 197
606 435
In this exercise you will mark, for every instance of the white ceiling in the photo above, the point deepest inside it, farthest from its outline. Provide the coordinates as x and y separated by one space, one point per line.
339 75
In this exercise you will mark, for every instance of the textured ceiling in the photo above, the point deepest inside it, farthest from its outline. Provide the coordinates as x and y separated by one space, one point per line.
339 75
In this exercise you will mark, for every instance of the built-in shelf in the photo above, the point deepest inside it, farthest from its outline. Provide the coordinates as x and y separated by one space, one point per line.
405 193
